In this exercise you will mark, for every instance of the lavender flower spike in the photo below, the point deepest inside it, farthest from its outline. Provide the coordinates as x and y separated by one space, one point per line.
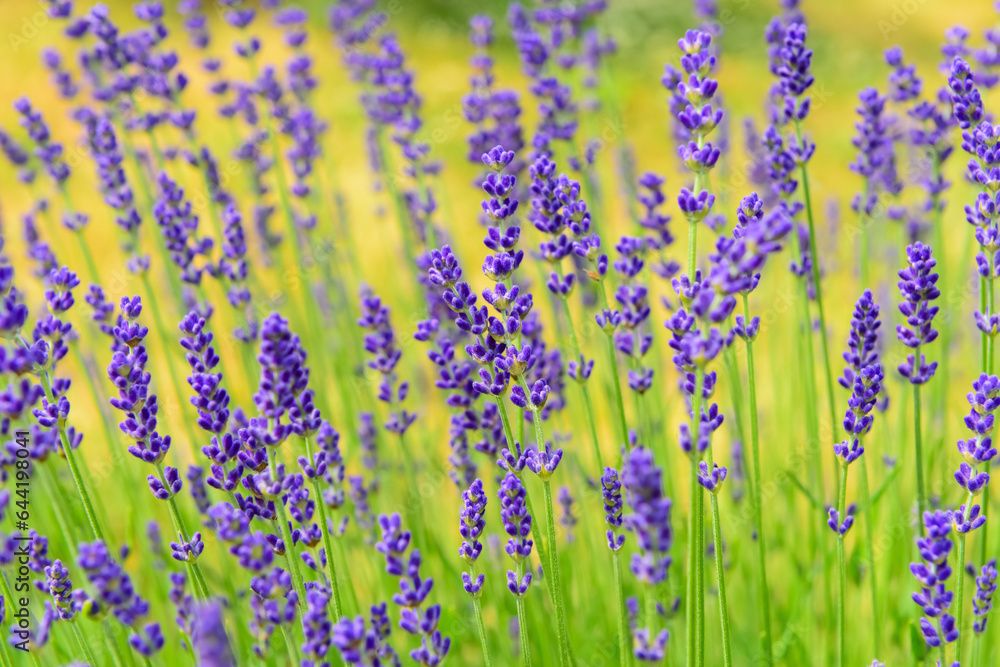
472 524
650 522
918 285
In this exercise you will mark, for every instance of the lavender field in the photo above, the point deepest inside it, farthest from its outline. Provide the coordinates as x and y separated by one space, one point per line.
586 333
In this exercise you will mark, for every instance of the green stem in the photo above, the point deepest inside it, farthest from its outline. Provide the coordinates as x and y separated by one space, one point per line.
542 554
756 497
67 452
918 449
293 651
88 654
478 606
870 547
4 656
695 579
842 562
863 250
960 613
623 631
689 598
818 286
989 371
293 566
575 350
727 656
197 578
58 504
613 358
405 233
84 250
522 623
111 640
550 526
332 567
720 571
693 226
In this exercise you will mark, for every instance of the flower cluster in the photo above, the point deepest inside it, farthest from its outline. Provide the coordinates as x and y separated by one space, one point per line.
649 521
938 625
471 526
127 371
977 451
517 524
413 592
693 92
918 285
381 343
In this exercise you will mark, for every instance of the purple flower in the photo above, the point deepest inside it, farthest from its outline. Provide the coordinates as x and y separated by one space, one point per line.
965 98
127 372
862 340
918 285
208 636
711 481
875 151
382 344
471 526
982 602
114 591
413 592
611 490
650 516
932 575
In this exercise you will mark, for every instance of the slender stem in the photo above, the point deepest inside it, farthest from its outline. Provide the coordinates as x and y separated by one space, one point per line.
111 640
550 526
87 653
918 451
197 577
338 609
478 606
818 286
720 571
58 505
623 632
960 613
542 554
990 347
696 649
293 565
870 548
4 658
689 598
693 226
727 656
842 562
405 233
84 250
575 350
756 497
293 651
67 452
522 623
863 221
613 358
699 582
